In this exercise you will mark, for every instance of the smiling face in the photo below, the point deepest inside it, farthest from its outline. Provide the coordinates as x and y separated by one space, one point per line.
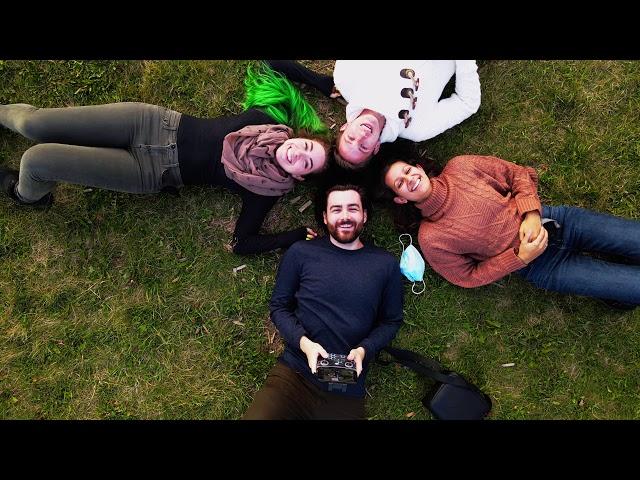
345 216
408 182
300 156
360 138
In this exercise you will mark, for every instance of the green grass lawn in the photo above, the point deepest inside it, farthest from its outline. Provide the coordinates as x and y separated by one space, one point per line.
122 306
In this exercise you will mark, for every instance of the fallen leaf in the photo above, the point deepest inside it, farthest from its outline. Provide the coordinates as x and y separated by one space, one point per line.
410 414
305 206
237 269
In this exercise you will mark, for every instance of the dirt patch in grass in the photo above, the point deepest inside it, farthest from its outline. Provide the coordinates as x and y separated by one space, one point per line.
610 364
272 344
16 331
452 353
572 369
227 224
195 297
43 251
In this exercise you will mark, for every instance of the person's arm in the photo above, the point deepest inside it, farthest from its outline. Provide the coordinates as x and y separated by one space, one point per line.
283 301
389 316
247 240
464 271
297 72
448 112
507 177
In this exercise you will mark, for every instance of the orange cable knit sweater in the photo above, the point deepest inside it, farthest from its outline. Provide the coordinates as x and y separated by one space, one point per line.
472 218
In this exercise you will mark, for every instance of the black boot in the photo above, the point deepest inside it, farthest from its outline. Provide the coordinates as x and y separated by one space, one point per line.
8 178
8 182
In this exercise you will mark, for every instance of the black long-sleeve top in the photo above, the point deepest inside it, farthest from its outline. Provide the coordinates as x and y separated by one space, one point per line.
341 299
199 155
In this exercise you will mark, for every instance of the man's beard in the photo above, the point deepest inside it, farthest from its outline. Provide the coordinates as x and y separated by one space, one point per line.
345 237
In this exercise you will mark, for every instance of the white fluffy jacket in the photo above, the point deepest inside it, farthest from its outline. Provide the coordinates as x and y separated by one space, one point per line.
376 85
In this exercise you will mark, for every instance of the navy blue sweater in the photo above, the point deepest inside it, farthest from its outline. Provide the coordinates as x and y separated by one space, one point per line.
341 299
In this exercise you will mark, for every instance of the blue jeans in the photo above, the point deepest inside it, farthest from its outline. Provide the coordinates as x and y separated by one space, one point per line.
564 267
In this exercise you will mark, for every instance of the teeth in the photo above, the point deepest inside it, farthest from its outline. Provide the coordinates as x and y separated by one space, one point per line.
415 185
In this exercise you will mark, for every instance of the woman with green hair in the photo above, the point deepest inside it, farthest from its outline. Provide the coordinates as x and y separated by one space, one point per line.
143 148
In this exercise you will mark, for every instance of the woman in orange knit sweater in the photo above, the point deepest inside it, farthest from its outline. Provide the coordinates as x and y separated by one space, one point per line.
482 220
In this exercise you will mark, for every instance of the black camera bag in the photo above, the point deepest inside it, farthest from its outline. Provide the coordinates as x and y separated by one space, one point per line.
452 396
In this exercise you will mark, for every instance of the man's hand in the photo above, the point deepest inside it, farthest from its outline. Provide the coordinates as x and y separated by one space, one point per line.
531 223
357 354
312 350
532 249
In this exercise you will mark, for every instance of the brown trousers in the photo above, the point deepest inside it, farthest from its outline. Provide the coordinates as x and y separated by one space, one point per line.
287 395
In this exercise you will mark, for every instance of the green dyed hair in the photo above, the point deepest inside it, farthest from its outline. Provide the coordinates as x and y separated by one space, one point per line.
273 93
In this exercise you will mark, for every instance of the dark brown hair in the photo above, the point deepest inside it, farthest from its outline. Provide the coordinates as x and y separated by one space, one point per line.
406 217
322 140
343 188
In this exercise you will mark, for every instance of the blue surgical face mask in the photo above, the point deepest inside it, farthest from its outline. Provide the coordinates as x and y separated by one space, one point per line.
412 264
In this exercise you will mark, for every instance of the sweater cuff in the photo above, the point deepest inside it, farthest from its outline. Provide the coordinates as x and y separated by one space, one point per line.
368 349
297 335
528 204
510 261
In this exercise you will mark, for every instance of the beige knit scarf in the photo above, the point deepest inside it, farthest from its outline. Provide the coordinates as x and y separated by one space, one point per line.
249 159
